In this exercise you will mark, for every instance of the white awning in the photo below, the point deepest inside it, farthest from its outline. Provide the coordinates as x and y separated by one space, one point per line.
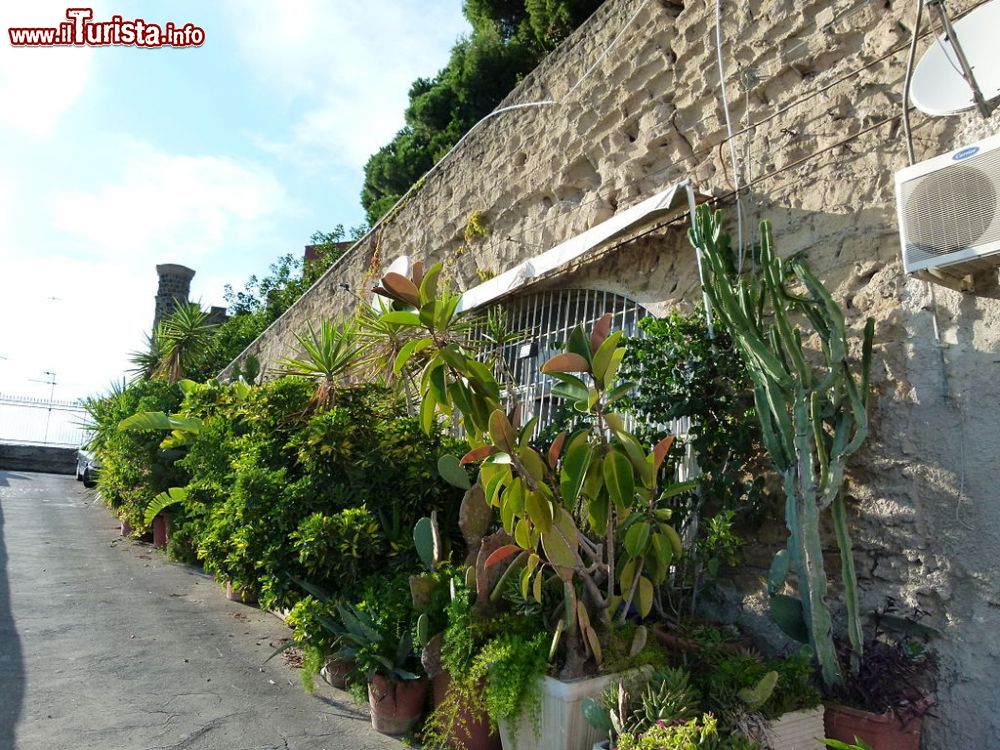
644 213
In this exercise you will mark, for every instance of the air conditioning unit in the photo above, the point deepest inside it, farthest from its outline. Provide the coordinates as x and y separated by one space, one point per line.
949 214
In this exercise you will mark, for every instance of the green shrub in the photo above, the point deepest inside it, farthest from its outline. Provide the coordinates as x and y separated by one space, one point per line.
133 467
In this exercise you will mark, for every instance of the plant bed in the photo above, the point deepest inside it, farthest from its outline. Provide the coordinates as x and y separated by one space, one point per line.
885 731
797 730
396 706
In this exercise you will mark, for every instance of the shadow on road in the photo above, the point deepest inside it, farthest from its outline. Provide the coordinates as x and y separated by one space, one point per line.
11 663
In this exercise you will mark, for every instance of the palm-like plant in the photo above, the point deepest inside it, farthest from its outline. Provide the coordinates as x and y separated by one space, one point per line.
329 355
146 360
183 339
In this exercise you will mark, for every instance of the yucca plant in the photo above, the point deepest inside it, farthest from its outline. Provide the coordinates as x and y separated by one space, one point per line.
183 340
146 361
329 356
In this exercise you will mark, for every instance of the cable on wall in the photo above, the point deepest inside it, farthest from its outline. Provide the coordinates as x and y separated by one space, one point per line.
729 130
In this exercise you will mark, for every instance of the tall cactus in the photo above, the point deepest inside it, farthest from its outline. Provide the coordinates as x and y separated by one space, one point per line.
812 406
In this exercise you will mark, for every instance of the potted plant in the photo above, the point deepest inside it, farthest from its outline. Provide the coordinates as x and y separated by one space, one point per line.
385 665
583 520
885 702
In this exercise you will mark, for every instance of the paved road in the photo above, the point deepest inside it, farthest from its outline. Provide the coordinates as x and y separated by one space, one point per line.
106 645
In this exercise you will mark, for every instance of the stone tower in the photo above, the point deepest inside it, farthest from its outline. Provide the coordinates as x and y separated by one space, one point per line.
174 288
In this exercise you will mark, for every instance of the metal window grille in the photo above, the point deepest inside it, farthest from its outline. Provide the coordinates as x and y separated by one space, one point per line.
545 320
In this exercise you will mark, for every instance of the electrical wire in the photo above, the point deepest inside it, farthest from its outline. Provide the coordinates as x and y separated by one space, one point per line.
729 130
908 78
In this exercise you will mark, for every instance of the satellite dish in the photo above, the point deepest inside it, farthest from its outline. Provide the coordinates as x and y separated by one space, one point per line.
938 87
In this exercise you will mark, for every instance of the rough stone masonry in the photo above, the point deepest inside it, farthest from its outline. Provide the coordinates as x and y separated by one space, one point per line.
815 90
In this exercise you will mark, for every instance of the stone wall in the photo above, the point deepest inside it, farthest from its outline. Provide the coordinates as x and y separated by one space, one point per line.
173 288
43 458
823 88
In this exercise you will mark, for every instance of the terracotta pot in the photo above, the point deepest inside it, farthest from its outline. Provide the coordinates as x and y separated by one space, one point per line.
335 673
881 731
473 730
397 707
234 594
161 530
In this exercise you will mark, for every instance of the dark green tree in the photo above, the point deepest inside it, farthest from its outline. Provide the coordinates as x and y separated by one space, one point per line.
508 39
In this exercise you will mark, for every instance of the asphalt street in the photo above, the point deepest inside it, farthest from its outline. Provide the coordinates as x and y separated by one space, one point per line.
106 644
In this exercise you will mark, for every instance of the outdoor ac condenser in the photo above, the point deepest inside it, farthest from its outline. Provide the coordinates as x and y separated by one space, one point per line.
949 213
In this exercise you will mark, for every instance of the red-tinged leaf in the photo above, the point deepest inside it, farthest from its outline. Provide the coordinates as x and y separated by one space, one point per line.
515 416
380 291
498 556
601 330
567 362
501 431
556 448
401 288
478 454
417 272
660 451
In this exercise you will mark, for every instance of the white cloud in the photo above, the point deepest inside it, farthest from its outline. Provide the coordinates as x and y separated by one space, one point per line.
38 85
167 206
353 64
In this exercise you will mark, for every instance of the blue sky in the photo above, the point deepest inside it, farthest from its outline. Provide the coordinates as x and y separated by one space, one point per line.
220 157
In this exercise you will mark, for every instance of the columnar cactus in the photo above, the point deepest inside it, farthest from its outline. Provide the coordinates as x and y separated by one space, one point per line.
812 405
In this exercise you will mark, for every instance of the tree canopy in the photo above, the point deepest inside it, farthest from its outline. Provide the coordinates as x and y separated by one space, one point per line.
508 39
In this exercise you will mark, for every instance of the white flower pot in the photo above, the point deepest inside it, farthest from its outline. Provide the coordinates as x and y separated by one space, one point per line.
561 725
799 730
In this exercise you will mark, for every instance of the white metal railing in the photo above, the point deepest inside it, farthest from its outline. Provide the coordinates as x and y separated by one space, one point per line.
30 420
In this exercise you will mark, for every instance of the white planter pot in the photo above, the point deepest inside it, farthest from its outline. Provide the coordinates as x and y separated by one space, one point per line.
561 725
799 730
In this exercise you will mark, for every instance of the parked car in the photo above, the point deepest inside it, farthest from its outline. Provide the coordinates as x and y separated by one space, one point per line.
87 467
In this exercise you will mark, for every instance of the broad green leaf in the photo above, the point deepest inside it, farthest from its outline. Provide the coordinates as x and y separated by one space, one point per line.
644 596
618 392
679 488
570 391
423 540
408 350
579 344
533 462
402 317
778 572
611 372
574 470
539 510
619 478
438 382
522 535
537 587
635 454
453 472
636 538
484 378
561 544
597 513
427 407
787 613
163 501
428 285
147 420
602 357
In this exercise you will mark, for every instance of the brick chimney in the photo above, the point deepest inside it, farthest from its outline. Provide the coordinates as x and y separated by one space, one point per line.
174 289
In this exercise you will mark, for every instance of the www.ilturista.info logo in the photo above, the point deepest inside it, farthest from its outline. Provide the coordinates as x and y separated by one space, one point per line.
82 31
